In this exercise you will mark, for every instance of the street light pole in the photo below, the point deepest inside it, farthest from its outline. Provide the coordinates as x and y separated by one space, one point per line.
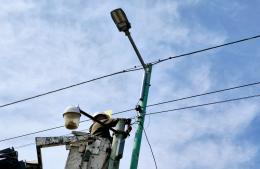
141 116
124 25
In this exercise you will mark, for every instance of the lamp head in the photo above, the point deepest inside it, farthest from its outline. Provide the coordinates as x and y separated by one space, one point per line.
120 19
71 117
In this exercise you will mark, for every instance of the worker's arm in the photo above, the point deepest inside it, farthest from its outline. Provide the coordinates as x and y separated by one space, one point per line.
113 122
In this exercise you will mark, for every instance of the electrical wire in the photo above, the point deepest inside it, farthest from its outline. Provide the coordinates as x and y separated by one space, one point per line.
32 133
205 104
120 112
31 144
74 85
184 108
150 149
24 145
206 49
204 94
135 68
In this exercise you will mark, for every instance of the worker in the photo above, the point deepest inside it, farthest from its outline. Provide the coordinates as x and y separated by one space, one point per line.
97 129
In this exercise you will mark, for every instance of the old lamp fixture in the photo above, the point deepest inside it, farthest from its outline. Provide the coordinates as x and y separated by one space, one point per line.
71 117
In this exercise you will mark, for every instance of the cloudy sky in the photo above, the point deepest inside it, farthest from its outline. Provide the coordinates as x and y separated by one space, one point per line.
50 44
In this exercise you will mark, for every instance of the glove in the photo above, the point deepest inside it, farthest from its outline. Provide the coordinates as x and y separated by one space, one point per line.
128 121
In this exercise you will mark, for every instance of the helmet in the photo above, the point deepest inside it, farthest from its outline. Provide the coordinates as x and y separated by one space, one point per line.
107 113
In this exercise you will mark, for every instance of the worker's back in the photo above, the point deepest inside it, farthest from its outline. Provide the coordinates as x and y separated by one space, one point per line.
99 130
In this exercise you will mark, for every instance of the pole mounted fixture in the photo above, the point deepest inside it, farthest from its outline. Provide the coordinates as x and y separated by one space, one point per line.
123 25
121 21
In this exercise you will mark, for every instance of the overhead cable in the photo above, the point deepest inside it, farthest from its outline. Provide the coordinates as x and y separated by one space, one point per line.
182 108
206 49
205 104
151 149
120 112
67 87
204 94
127 70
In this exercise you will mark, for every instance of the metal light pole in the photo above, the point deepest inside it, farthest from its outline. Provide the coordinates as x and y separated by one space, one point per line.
141 117
124 25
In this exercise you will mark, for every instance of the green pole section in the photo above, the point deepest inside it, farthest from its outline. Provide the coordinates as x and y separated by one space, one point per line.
142 104
117 146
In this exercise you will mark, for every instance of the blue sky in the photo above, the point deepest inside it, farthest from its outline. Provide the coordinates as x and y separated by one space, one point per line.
45 45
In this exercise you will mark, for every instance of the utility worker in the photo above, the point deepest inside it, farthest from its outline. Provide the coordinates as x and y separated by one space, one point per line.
97 129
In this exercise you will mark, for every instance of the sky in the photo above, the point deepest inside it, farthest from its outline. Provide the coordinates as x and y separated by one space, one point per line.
50 44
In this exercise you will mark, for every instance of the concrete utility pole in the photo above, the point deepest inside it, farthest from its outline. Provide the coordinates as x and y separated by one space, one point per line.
124 25
117 145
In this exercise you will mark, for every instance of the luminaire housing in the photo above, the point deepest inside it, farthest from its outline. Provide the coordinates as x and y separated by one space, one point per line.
120 19
71 117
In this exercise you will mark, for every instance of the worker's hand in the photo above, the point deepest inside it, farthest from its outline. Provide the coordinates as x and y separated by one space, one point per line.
128 121
129 129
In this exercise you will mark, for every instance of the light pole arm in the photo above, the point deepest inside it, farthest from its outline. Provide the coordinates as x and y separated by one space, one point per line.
98 121
135 48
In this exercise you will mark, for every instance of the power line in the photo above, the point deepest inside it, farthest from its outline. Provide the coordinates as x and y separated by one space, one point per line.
206 49
159 112
182 108
204 94
67 87
32 133
31 144
135 68
120 112
205 104
24 145
53 128
150 148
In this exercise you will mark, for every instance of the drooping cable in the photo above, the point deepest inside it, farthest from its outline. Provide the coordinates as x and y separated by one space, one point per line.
151 149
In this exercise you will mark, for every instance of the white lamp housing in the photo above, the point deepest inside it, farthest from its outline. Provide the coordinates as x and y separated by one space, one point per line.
71 117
